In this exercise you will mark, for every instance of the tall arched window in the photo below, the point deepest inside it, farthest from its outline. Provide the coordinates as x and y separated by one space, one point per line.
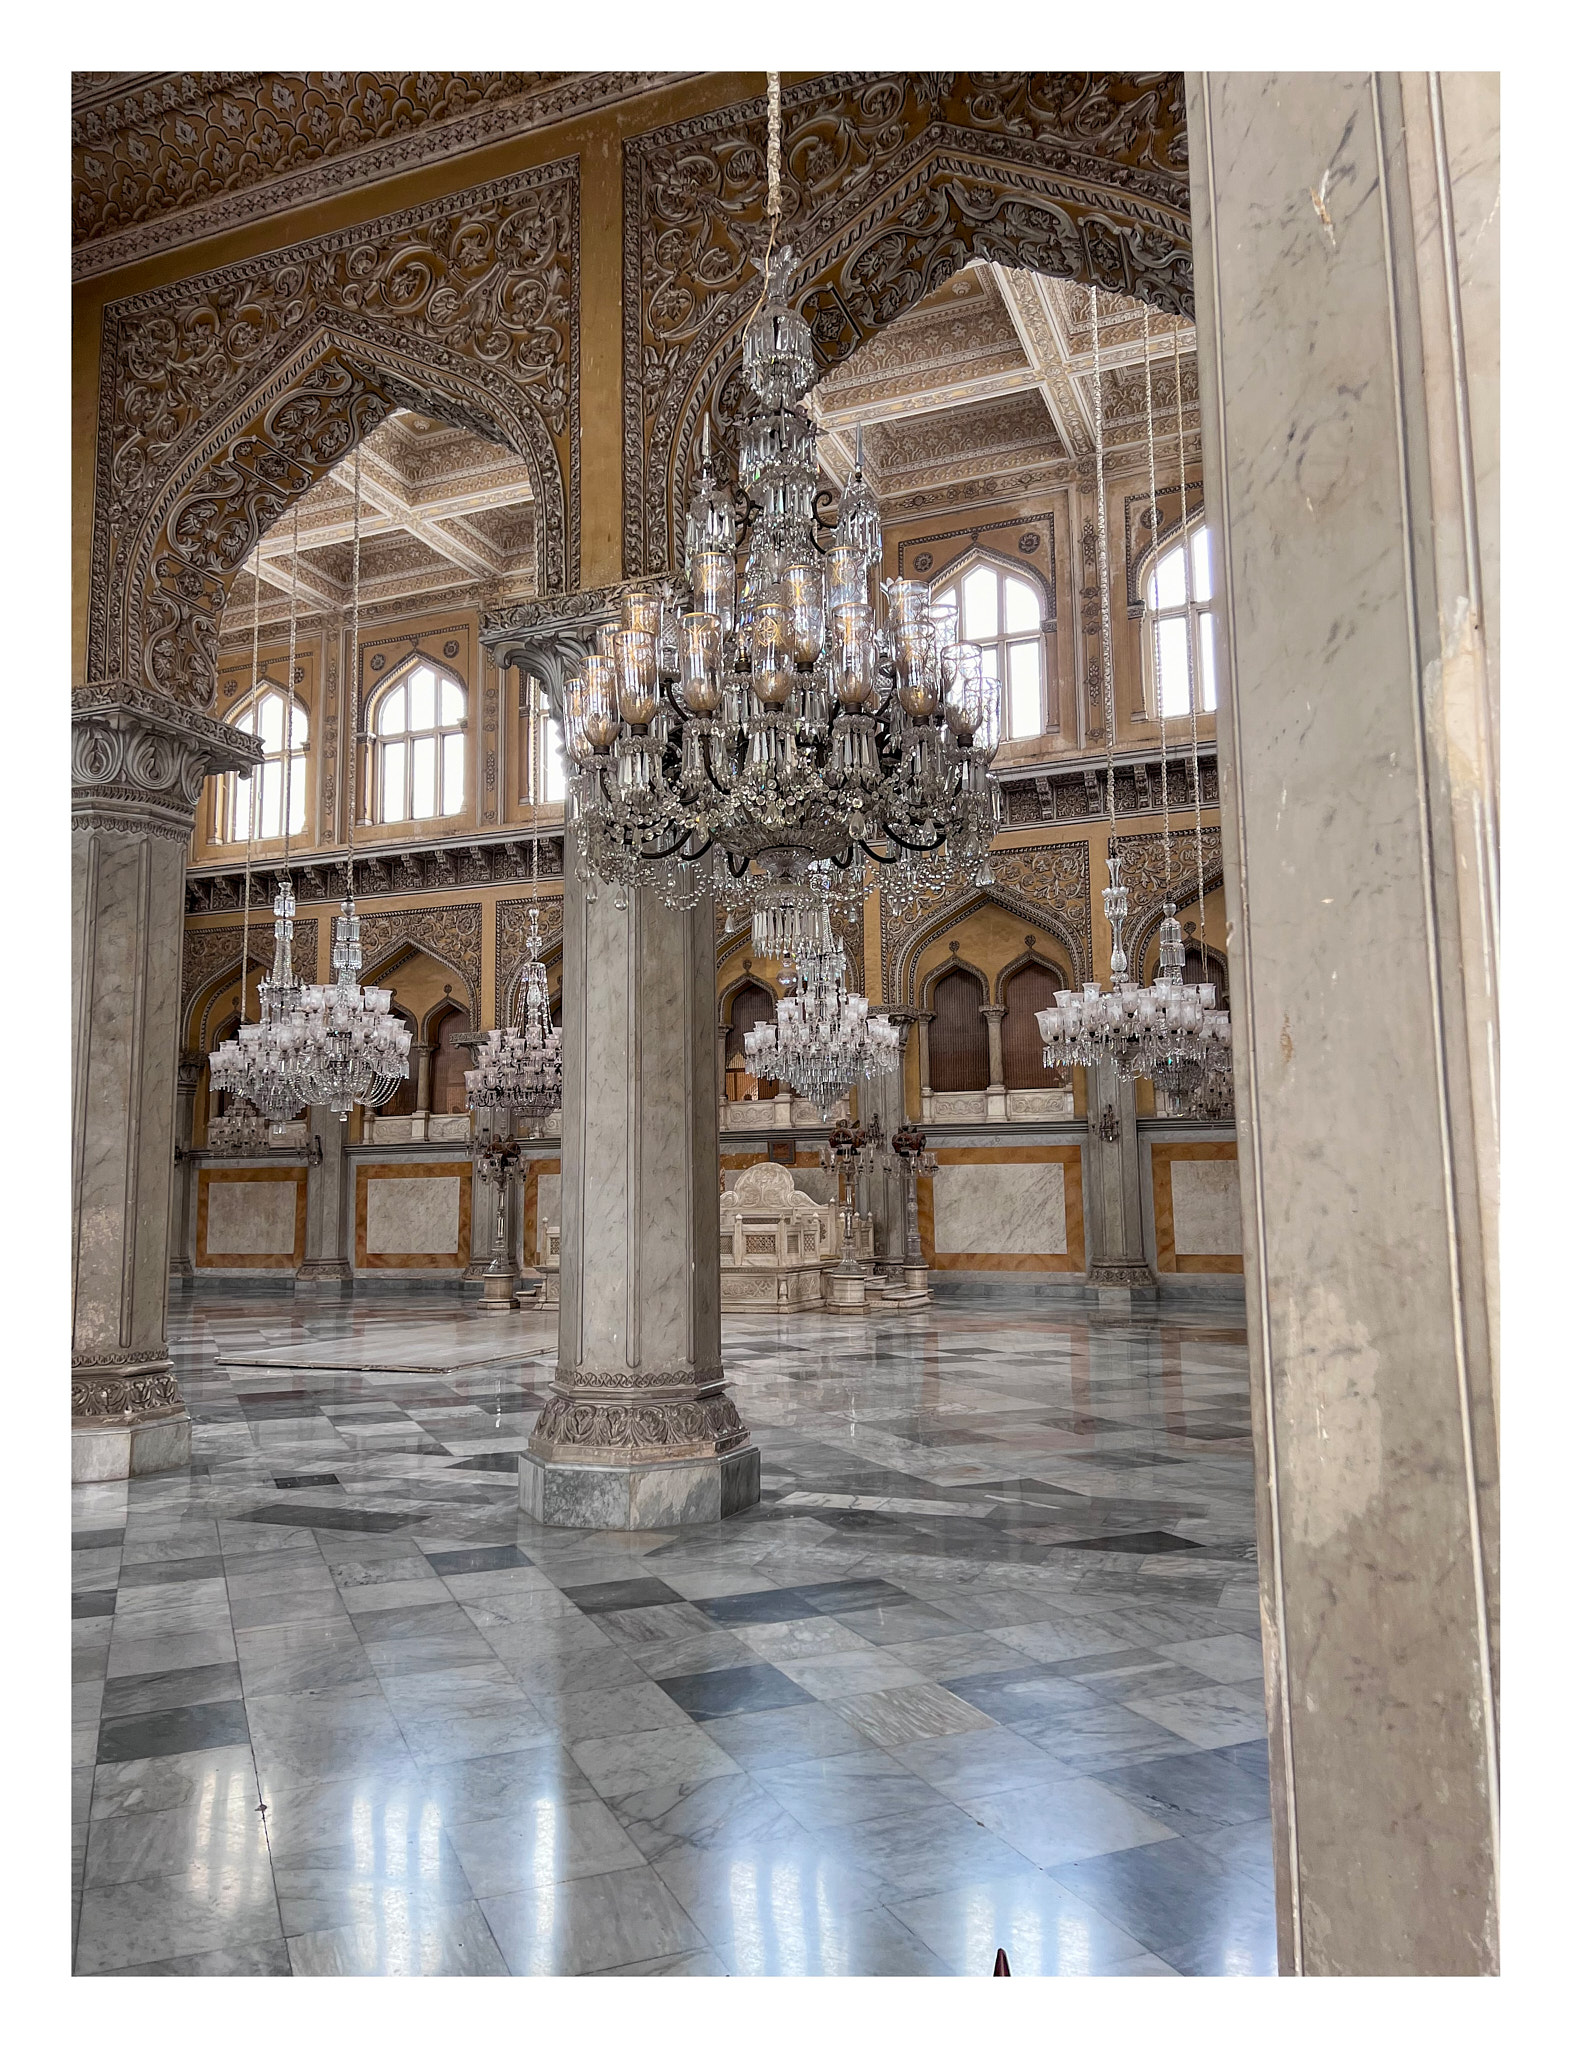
1029 989
958 1034
449 1062
1178 629
546 776
418 747
1003 613
254 808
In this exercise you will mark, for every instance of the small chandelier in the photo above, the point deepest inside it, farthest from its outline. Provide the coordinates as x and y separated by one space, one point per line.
795 713
354 1050
261 1065
1172 1032
520 1066
823 1039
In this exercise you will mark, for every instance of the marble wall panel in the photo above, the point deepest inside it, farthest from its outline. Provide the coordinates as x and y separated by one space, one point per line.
999 1209
412 1216
251 1216
1206 1206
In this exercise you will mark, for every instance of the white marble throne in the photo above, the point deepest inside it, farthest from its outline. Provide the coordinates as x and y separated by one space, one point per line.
775 1244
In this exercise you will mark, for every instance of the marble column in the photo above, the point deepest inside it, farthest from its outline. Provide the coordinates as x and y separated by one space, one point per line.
997 1108
1347 290
188 1078
1118 1267
639 1431
326 1268
886 1100
138 762
924 1020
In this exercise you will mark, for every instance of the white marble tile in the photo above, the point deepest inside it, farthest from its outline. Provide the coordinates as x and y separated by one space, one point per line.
1207 1218
1009 1208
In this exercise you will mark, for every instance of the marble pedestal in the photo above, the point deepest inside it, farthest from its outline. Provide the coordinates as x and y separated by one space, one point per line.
639 1431
845 1294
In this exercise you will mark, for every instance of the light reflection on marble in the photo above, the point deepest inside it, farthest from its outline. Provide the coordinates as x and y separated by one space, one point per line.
1002 1574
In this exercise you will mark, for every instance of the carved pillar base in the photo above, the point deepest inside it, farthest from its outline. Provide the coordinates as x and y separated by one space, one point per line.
673 1455
325 1276
127 1418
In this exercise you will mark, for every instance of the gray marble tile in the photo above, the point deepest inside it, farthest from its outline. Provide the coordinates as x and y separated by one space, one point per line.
615 1710
440 1940
1224 1659
172 1731
1209 1716
193 1686
828 1791
616 1764
837 1678
815 1943
221 1830
588 1924
470 1790
909 1713
1185 1905
182 1914
719 1813
932 1848
345 1732
542 1844
1046 1930
701 1963
136 1656
303 1656
785 1735
1065 1822
265 1959
982 1762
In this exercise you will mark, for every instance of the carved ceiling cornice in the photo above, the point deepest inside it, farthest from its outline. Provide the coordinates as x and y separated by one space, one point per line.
160 160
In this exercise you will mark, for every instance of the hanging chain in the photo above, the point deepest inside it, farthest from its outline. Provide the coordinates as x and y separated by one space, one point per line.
289 685
254 788
354 690
772 204
1105 610
1192 645
1157 637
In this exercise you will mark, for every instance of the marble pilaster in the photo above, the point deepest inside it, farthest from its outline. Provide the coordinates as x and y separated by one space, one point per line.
885 1098
1116 1249
138 762
1346 249
326 1268
639 1431
188 1076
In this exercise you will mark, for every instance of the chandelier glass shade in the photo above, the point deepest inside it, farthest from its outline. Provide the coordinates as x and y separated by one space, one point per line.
788 713
520 1066
354 1049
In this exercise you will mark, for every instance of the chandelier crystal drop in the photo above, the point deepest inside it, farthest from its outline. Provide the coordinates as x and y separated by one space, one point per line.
788 709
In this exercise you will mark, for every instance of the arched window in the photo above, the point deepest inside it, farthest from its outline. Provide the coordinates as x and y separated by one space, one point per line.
1029 989
752 1004
254 807
958 1034
1003 613
418 747
546 776
1213 968
1178 630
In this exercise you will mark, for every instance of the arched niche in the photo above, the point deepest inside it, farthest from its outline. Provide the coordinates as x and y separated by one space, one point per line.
225 397
890 184
746 1002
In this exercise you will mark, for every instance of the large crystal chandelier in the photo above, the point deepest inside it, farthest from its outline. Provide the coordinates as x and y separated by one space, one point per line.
353 1050
823 1039
520 1066
1172 1032
794 713
261 1065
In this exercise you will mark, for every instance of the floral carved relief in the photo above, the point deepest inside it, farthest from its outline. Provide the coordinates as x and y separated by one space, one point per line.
450 933
889 185
225 397
512 937
1048 885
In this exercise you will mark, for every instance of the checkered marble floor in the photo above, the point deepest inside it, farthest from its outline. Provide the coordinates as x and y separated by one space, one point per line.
982 1669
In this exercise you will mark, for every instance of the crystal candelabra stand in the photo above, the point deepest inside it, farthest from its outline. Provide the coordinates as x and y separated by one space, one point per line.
795 712
262 1064
910 1146
354 1049
822 1039
520 1066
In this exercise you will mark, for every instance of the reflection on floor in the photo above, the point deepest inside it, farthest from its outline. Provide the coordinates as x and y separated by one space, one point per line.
982 1669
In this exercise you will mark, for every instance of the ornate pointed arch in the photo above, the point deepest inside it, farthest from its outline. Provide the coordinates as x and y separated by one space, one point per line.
224 397
449 934
890 183
210 964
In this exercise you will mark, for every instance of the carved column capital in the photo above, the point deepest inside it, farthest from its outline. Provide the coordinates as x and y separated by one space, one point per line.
138 760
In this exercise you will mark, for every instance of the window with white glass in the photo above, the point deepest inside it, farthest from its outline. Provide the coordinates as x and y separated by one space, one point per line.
1179 632
548 780
418 747
1002 611
254 808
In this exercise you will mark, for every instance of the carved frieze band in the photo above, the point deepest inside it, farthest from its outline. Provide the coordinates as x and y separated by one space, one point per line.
890 183
224 397
696 1428
109 1396
216 952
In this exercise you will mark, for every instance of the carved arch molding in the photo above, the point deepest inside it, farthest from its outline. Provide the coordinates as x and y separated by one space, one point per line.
224 397
890 182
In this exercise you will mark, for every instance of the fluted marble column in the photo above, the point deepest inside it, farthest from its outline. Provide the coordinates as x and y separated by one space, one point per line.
639 1431
138 762
1346 231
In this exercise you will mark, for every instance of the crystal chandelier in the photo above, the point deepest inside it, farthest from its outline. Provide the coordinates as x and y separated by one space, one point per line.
520 1066
353 1049
799 714
822 1039
1172 1032
260 1066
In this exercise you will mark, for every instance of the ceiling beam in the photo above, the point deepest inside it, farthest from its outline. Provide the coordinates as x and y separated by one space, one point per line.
1042 336
386 493
842 415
